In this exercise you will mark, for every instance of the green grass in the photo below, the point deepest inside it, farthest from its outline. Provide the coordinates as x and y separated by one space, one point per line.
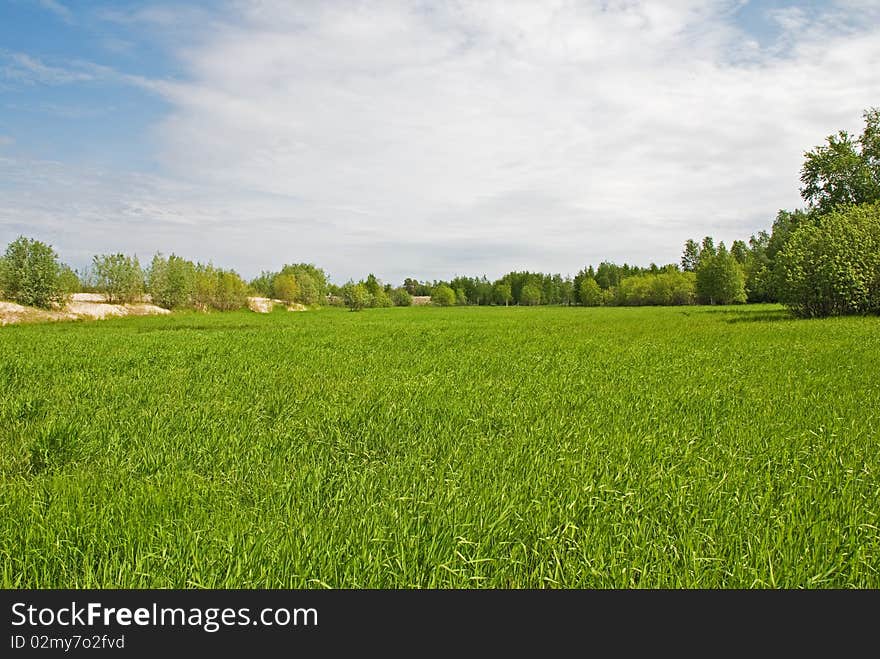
425 447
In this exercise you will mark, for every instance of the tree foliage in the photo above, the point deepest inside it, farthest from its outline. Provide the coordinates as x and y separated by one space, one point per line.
401 298
285 288
845 170
590 293
663 289
832 267
443 296
356 296
719 278
119 277
30 274
170 281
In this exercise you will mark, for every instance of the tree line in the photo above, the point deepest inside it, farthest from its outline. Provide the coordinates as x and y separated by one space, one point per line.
823 259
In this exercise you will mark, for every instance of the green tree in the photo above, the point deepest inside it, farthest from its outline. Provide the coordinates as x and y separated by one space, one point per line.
170 281
285 288
566 292
663 289
29 274
720 278
502 293
309 292
690 257
531 294
590 293
739 252
608 275
314 291
356 296
231 291
68 281
832 267
381 299
707 247
262 285
401 298
372 284
443 296
460 297
205 282
119 277
844 171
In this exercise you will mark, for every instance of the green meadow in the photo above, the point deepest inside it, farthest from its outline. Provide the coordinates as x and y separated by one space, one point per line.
463 447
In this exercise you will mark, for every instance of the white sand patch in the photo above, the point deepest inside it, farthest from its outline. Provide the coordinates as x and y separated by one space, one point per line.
260 304
88 306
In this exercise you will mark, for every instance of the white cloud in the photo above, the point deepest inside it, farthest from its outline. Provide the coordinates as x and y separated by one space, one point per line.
25 68
57 8
439 138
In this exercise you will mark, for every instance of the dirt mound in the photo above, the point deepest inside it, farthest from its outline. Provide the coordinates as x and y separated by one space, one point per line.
265 305
260 304
10 312
88 306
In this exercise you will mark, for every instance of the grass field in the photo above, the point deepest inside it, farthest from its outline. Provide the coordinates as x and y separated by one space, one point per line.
427 447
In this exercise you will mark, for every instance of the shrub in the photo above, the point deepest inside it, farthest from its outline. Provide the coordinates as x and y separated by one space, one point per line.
308 289
666 289
443 296
68 281
231 291
312 282
285 288
204 286
356 296
720 279
30 273
530 295
262 285
119 277
589 293
381 299
832 267
502 293
170 281
400 298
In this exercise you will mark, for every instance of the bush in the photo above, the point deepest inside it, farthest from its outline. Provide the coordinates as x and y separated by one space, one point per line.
262 286
381 299
720 279
30 274
589 293
530 295
204 286
832 267
443 296
231 291
285 288
119 277
218 289
68 281
667 289
308 289
312 282
356 296
170 281
400 298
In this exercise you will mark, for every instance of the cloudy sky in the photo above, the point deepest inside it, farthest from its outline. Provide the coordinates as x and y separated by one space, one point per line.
421 139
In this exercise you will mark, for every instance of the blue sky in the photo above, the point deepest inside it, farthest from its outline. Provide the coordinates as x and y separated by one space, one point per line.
417 139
